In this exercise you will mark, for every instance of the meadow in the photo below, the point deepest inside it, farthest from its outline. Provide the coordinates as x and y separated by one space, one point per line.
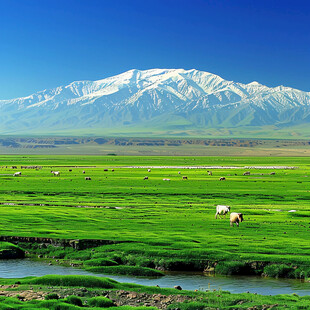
167 225
73 293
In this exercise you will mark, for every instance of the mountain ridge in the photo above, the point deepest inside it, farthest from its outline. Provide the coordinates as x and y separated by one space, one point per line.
136 98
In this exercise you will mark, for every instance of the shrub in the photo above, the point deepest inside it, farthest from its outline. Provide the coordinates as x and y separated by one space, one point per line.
100 302
279 271
302 272
100 262
233 268
74 300
73 280
51 296
179 264
117 257
64 306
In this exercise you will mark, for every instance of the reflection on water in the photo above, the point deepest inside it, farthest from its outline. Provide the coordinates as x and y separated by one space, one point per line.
20 268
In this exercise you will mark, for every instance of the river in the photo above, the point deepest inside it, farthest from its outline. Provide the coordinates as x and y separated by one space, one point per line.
19 268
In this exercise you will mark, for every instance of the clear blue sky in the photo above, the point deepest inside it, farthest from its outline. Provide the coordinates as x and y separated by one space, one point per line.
48 43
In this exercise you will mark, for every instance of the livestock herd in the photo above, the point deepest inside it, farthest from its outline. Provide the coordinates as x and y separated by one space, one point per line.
235 218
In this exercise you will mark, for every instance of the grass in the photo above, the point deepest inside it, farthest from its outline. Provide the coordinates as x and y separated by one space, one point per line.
101 302
100 262
80 281
127 270
91 297
158 224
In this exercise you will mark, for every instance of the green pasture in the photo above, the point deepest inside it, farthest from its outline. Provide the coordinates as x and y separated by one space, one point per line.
168 224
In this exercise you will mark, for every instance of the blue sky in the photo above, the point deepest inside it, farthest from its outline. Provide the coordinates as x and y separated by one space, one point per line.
48 43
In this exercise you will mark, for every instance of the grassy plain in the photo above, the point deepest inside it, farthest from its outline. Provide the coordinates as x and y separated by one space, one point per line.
163 224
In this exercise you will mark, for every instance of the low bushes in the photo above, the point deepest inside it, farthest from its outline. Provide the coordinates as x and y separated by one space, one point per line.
101 302
74 280
100 262
127 270
51 296
180 264
302 272
279 271
9 250
233 268
74 300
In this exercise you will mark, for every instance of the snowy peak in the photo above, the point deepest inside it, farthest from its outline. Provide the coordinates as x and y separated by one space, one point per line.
157 97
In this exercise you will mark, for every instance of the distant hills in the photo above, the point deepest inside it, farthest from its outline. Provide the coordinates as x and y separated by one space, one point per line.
160 102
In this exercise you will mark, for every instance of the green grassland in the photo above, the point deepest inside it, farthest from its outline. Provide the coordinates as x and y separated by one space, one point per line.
162 224
86 292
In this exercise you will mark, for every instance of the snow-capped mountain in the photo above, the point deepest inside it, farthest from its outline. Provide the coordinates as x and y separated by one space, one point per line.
157 98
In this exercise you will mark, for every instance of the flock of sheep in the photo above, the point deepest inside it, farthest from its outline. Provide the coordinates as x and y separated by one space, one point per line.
235 218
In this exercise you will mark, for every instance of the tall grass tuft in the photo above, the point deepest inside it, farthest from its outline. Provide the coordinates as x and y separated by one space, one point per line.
74 280
127 270
101 302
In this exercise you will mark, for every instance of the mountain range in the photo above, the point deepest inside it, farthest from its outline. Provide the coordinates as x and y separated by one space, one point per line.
160 102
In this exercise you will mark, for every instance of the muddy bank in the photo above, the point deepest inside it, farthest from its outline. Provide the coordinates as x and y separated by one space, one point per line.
78 244
119 297
10 251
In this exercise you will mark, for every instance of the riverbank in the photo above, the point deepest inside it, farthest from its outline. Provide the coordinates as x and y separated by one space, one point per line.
108 259
49 292
187 280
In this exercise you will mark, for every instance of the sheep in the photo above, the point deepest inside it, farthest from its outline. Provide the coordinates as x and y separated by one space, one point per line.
57 173
272 173
146 178
184 177
220 209
236 218
148 170
209 172
247 173
83 171
222 179
166 179
17 174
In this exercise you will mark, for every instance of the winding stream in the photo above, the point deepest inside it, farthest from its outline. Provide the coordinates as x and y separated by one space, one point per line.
19 268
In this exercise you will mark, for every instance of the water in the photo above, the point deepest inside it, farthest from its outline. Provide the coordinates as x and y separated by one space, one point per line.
19 268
